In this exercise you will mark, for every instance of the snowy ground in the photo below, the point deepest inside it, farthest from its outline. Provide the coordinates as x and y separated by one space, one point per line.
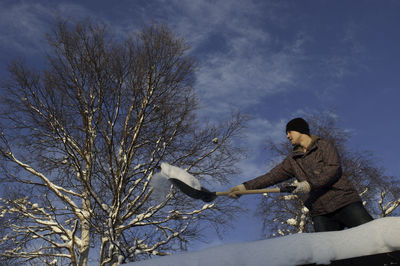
378 236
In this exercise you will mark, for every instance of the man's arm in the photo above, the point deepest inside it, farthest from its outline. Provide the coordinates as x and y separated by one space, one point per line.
279 173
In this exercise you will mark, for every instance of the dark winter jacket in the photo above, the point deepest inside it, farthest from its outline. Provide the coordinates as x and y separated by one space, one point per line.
320 165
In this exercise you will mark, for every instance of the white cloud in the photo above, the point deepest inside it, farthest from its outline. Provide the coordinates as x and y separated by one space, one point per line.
242 80
259 130
23 25
259 160
246 67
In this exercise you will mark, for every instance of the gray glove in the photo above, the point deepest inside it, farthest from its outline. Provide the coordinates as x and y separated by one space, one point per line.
234 189
302 187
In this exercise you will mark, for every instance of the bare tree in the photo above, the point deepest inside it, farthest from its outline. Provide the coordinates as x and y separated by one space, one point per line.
85 136
283 215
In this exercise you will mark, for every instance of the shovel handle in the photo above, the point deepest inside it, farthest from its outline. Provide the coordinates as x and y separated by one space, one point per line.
287 189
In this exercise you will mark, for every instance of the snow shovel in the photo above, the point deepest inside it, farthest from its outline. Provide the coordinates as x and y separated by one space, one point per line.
190 186
208 196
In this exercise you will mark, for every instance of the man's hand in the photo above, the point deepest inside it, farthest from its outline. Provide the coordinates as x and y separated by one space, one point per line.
302 187
234 189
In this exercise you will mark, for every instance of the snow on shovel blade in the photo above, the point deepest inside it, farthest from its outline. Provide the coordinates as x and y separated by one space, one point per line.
171 171
202 194
186 183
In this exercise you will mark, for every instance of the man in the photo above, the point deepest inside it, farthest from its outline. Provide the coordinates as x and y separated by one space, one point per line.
333 202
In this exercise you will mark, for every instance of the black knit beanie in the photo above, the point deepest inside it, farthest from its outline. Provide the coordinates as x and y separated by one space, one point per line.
298 124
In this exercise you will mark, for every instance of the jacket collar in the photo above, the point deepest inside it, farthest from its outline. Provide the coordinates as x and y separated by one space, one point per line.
298 150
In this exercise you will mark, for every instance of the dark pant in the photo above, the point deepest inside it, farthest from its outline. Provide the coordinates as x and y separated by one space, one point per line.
351 215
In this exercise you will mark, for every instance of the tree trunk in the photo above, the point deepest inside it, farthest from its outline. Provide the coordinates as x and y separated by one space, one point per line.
85 235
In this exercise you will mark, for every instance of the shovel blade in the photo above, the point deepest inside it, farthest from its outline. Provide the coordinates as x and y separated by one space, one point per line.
203 194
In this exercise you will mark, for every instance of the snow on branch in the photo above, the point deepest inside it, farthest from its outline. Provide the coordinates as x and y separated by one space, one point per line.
56 189
389 207
38 224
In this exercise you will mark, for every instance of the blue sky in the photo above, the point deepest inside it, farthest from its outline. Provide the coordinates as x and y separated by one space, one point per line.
272 59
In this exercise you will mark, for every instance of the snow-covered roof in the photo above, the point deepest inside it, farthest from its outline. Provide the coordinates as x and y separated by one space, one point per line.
379 236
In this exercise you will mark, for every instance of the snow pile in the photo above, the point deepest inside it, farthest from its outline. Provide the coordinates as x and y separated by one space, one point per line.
378 236
161 184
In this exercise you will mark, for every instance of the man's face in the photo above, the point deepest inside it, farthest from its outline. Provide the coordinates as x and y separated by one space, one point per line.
294 137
